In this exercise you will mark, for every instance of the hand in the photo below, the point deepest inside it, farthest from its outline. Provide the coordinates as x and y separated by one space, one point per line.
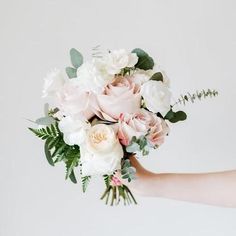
143 180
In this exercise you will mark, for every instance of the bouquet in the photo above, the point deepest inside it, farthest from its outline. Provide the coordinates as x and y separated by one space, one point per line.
102 111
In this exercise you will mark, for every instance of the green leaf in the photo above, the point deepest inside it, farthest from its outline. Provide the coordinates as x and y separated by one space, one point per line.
145 62
85 181
48 120
72 177
174 117
170 115
76 58
157 77
71 72
48 154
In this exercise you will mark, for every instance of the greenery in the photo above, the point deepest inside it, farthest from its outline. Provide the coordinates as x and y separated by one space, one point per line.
157 77
127 171
85 182
71 72
198 95
76 60
145 62
138 145
56 150
175 117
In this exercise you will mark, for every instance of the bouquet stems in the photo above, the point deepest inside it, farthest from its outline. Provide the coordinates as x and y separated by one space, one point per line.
114 194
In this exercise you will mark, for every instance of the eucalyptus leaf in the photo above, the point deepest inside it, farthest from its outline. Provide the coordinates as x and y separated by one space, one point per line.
145 62
45 120
71 72
76 58
157 77
175 117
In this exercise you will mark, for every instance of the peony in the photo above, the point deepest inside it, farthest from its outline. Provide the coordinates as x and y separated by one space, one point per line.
119 59
74 130
101 152
74 101
156 96
52 83
142 123
120 96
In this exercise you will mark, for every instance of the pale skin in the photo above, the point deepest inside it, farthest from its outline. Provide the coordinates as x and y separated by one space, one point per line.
215 188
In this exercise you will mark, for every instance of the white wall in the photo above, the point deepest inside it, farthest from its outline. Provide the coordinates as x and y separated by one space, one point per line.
194 41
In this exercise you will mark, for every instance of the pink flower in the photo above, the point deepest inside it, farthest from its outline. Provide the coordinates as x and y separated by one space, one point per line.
120 96
142 123
115 181
74 101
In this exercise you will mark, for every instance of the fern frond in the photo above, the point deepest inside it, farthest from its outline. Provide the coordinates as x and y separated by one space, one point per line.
107 180
195 96
85 182
51 131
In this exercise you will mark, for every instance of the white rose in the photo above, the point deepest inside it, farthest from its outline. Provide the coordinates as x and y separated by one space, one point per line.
141 76
52 83
74 130
119 59
91 77
156 96
101 152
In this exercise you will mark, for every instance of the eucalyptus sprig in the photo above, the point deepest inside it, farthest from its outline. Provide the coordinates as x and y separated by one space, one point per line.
198 95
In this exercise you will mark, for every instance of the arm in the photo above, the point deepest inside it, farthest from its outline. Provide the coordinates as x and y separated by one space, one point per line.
217 188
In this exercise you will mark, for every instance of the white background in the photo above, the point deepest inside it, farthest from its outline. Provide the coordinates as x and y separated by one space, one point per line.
194 41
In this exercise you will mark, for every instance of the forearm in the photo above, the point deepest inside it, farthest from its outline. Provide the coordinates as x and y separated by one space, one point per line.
209 188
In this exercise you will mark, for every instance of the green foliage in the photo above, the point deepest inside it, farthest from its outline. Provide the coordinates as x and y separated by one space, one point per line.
71 157
107 179
71 72
127 171
138 145
85 181
196 96
145 62
76 58
175 117
56 150
47 120
157 77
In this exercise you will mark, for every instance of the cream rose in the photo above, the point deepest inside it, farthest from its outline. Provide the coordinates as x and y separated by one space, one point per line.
142 123
101 152
120 96
156 96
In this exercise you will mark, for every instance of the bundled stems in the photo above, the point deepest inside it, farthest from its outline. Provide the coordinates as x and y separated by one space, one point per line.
115 193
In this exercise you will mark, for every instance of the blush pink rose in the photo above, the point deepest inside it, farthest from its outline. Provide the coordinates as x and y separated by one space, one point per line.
120 96
74 101
142 123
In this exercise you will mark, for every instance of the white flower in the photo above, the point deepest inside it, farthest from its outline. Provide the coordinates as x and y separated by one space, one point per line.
119 59
74 130
101 152
92 77
52 83
156 96
141 76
